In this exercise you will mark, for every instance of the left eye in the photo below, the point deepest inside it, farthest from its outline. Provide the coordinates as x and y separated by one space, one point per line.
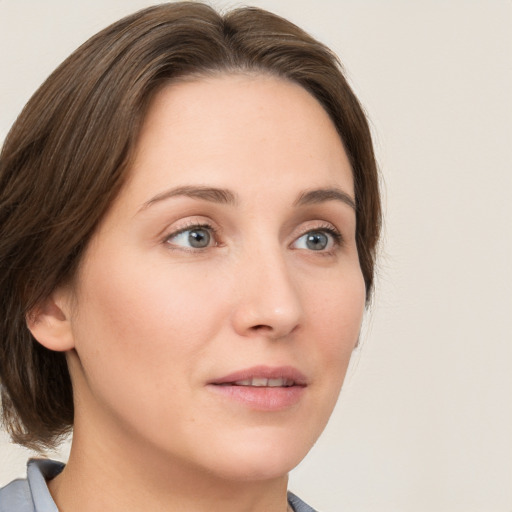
196 237
319 240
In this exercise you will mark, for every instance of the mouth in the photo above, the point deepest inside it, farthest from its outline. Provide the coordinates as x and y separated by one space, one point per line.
262 388
262 382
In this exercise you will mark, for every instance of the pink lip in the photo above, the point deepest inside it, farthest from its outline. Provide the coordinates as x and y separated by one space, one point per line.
262 398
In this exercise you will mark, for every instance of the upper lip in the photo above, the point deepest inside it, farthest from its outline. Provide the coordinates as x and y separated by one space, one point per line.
265 372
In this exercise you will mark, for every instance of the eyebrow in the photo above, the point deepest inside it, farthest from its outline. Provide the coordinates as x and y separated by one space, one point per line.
225 196
212 194
322 195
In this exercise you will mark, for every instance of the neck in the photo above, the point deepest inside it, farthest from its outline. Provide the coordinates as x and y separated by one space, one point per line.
116 474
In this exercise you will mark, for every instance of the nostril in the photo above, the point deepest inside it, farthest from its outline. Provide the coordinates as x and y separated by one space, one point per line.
261 327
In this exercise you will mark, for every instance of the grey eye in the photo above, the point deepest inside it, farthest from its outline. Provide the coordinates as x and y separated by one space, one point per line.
197 238
316 240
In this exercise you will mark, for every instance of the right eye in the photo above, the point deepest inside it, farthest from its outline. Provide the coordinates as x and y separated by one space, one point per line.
194 237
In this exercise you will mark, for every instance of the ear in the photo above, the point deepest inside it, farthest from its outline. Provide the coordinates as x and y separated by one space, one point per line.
49 322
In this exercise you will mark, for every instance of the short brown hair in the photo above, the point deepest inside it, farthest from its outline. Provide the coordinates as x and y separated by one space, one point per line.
65 159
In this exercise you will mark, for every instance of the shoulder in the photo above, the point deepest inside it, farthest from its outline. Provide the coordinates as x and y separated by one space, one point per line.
297 504
31 494
16 497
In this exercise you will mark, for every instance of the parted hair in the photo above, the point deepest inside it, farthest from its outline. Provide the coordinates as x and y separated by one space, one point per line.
66 157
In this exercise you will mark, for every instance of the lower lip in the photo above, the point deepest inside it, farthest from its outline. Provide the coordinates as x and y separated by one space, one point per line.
262 398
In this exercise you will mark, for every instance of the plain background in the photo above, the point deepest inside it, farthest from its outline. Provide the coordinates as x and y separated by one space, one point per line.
425 418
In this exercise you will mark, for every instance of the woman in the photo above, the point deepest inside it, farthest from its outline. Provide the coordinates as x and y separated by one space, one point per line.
189 212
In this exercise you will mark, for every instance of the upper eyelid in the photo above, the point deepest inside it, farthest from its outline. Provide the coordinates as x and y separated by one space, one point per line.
190 223
196 225
321 226
191 227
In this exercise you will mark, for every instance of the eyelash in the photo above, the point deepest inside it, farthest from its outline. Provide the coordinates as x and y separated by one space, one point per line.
337 237
327 228
191 227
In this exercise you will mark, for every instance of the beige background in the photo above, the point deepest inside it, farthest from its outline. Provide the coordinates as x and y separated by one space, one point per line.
425 419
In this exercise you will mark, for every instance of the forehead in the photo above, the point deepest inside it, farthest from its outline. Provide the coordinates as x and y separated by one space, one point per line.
235 130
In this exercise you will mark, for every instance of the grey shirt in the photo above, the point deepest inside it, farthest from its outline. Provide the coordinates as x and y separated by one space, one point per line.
32 494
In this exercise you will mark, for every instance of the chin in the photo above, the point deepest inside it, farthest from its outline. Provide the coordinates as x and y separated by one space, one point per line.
261 458
250 470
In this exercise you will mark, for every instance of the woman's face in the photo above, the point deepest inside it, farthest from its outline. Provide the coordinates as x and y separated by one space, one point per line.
219 301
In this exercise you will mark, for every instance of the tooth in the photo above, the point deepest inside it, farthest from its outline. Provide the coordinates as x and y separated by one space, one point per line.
246 382
259 382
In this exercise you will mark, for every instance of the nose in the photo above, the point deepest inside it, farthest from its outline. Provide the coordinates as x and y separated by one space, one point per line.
269 302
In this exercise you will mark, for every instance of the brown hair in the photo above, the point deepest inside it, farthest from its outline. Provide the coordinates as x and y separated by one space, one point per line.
65 158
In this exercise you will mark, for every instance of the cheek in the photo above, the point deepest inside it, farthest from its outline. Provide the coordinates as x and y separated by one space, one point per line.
137 320
140 333
336 321
339 307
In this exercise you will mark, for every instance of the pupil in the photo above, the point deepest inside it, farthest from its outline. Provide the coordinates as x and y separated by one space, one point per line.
317 241
199 238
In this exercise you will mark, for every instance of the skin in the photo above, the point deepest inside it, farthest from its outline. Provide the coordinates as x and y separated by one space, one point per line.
150 321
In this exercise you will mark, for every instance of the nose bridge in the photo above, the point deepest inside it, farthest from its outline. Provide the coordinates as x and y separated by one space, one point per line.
269 299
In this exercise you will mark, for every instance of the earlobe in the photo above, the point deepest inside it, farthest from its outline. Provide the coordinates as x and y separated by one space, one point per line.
49 323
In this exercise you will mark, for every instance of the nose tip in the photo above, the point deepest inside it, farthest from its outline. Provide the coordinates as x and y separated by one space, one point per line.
269 303
255 320
278 323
